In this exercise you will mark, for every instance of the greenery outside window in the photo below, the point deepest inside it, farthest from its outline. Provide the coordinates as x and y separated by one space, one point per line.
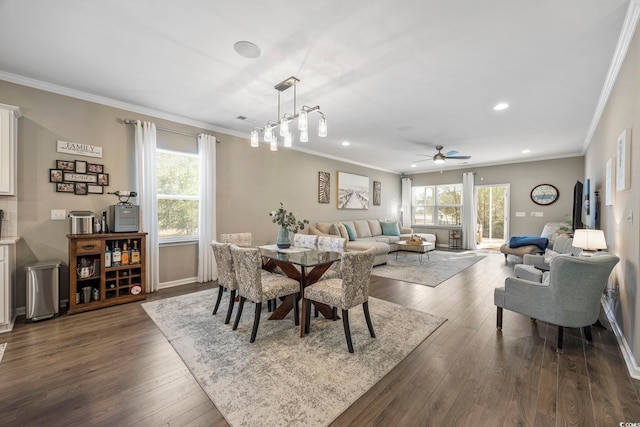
178 195
437 204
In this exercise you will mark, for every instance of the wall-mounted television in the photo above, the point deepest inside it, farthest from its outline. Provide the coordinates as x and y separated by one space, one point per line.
578 194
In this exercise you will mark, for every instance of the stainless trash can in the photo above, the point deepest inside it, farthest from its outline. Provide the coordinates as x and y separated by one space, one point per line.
43 289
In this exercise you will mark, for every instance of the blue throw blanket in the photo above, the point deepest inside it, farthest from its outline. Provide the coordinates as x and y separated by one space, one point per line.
517 241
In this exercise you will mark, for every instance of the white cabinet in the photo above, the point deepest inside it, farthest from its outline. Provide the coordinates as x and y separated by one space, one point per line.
9 116
7 287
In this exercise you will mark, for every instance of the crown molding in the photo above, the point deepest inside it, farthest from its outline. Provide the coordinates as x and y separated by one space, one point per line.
85 96
626 35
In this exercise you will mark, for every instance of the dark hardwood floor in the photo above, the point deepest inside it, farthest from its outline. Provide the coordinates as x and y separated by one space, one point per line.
113 367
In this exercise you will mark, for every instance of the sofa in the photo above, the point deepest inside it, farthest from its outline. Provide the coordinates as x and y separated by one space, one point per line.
363 234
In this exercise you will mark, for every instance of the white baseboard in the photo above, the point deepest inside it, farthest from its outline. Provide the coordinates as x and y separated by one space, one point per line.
177 282
627 354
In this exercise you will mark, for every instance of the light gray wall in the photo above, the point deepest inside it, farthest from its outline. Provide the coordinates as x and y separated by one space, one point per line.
623 236
522 177
251 182
48 117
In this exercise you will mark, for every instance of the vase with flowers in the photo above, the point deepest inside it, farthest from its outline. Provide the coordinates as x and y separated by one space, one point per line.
288 224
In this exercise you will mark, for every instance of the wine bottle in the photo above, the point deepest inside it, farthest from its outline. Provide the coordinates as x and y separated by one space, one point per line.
117 255
135 253
107 256
125 256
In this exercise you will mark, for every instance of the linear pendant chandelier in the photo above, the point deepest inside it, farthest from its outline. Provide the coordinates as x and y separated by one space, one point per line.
283 125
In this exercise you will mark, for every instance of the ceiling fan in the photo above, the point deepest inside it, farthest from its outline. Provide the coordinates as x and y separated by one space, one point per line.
439 157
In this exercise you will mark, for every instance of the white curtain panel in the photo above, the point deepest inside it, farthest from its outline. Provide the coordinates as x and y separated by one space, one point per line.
469 214
207 269
147 197
406 202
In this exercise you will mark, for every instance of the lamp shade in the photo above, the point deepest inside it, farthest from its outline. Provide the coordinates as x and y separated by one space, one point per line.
589 239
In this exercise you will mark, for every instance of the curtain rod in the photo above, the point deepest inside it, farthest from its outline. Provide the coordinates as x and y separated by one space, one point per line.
132 122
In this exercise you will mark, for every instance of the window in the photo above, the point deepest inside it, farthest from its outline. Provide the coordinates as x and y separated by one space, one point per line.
437 204
178 195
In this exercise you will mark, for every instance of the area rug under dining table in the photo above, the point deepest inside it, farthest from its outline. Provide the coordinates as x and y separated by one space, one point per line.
282 379
429 270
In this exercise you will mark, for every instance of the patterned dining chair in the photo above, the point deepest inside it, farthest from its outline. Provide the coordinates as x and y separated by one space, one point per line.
345 293
258 285
240 239
332 244
304 239
226 276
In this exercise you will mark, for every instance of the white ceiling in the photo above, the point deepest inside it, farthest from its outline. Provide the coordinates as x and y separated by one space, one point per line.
394 79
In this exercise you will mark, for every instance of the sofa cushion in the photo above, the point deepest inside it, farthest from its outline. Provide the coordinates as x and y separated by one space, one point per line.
334 230
375 227
362 228
350 232
324 227
390 228
343 231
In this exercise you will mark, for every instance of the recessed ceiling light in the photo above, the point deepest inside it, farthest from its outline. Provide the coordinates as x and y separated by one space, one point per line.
501 106
345 143
246 49
526 151
413 165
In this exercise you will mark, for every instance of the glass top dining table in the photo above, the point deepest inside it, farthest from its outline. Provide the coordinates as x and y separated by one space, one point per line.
295 262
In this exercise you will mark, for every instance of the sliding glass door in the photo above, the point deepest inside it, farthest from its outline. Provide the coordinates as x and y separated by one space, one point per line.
492 203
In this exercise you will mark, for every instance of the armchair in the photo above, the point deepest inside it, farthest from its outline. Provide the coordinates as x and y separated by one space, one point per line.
569 298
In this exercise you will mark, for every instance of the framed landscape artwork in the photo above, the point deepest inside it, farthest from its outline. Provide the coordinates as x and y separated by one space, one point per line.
353 191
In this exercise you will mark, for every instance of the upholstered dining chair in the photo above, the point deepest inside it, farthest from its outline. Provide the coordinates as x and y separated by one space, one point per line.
568 297
304 239
349 291
240 239
332 244
258 285
226 276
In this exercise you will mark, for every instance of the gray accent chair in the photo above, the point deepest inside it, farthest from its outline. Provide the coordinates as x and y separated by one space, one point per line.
258 285
569 298
349 291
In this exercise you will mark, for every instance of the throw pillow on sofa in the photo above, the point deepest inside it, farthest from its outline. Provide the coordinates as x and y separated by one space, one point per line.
351 232
390 228
334 230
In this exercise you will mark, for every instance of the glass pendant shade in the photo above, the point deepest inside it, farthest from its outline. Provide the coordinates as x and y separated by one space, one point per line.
302 120
284 127
268 134
274 144
304 136
254 138
287 140
322 127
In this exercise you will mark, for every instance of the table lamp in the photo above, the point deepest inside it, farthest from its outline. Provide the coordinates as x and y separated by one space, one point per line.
589 241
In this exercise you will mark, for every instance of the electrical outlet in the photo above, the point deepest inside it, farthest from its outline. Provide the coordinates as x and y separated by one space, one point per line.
521 214
537 214
58 214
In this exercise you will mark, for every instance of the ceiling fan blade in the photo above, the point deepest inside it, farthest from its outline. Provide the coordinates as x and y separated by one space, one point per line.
423 160
451 153
459 157
425 155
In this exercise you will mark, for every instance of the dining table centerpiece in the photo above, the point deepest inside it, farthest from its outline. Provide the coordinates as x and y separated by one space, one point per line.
288 224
